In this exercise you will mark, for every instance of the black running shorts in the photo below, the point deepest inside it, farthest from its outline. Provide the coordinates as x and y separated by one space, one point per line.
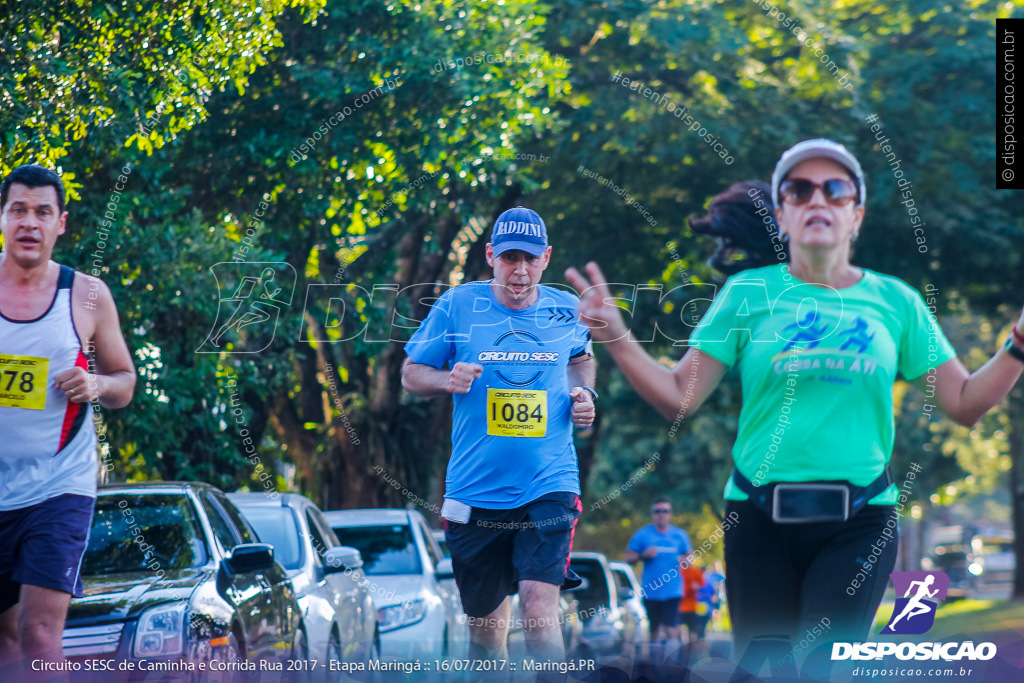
496 549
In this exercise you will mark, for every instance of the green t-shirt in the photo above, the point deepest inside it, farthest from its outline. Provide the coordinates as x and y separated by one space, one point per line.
817 367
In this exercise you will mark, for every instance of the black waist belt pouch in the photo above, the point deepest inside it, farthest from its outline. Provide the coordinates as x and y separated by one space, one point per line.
811 501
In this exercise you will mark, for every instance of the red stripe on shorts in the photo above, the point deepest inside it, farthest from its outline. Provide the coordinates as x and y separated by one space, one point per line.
572 533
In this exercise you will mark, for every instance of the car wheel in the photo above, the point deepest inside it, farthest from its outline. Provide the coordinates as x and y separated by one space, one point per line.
333 655
232 652
300 654
582 651
373 673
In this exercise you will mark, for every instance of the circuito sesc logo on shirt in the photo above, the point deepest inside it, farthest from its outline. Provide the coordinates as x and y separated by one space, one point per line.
519 358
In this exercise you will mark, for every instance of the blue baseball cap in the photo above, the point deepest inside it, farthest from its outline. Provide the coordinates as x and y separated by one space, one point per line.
519 228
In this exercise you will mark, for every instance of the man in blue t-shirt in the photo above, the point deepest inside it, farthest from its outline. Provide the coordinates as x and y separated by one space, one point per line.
518 364
661 546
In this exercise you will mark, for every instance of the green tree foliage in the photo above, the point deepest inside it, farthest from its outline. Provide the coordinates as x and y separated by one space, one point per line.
73 68
370 145
301 161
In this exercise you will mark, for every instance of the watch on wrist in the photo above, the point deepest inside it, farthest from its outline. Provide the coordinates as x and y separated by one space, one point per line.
594 393
1013 349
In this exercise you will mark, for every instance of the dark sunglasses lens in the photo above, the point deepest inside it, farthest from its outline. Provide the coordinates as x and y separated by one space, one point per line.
839 191
797 191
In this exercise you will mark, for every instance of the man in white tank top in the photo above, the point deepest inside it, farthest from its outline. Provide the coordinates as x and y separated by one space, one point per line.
61 348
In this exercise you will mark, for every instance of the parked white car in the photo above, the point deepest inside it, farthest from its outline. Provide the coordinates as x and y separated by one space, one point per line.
631 599
608 627
411 582
333 593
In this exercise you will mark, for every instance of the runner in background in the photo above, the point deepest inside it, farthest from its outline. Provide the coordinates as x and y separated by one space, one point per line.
661 546
693 610
61 348
518 364
713 594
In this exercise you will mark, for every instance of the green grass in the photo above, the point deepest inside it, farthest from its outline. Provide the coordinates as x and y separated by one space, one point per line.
990 617
966 616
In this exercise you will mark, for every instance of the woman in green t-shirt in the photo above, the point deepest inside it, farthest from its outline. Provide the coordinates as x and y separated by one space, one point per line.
818 342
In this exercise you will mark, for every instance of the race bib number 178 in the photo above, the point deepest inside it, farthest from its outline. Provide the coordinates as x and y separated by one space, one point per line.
23 381
512 412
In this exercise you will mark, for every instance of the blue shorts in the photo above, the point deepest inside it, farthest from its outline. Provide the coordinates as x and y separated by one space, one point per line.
497 549
42 545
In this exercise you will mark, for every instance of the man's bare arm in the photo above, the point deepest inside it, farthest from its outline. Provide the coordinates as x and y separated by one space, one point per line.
114 369
424 380
582 371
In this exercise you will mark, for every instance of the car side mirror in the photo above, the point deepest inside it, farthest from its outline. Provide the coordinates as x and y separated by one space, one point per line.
584 585
250 557
342 558
444 570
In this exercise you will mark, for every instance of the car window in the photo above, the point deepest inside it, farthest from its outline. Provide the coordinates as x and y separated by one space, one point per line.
594 594
234 518
321 525
621 580
320 541
143 533
227 537
277 526
442 543
386 549
428 540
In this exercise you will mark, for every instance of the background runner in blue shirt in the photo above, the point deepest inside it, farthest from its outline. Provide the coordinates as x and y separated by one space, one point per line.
661 545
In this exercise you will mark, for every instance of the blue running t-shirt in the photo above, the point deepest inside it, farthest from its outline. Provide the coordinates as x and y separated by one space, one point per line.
512 433
662 579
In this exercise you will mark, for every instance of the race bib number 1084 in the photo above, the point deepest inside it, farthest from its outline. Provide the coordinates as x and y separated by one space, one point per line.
512 412
23 381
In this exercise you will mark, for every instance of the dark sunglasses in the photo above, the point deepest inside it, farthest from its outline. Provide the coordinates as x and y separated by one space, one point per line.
665 510
837 192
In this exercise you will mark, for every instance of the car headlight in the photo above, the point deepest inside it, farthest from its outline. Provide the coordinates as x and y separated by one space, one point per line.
601 625
404 614
161 631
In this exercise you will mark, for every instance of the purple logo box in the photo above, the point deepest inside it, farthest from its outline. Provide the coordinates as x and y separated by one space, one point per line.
918 595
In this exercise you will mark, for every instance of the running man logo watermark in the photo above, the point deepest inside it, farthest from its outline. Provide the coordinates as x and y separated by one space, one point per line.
914 613
251 296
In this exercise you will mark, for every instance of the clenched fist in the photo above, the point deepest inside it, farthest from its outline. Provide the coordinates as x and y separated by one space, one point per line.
77 384
460 379
583 409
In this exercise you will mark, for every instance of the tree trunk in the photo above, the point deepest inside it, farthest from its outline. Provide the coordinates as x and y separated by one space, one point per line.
1015 441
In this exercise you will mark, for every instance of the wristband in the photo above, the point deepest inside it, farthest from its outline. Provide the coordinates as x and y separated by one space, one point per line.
1013 349
592 392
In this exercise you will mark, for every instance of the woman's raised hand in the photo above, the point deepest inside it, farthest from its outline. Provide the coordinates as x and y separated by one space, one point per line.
597 308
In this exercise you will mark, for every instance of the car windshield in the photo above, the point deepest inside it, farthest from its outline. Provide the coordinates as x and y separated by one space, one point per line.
386 549
276 526
143 533
594 593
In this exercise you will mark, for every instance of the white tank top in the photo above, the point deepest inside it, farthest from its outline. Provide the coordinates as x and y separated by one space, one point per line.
47 444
